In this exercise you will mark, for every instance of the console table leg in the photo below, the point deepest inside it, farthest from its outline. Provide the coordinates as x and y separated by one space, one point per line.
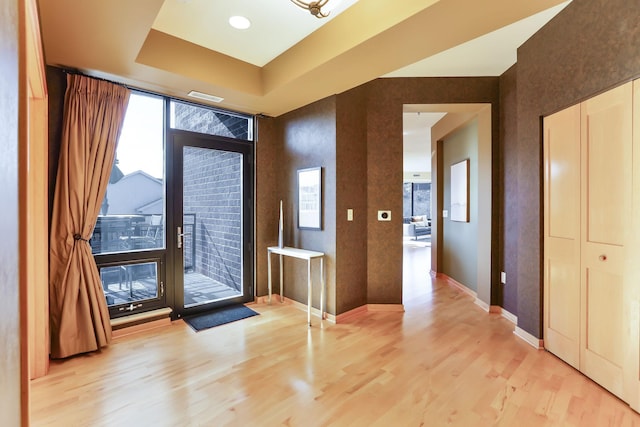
269 274
281 280
322 290
309 292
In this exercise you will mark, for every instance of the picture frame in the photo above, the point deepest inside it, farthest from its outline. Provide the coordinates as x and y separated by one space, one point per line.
310 198
460 191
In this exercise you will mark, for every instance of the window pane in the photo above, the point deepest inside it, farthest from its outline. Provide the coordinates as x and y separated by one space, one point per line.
422 199
132 213
213 230
406 199
123 284
197 118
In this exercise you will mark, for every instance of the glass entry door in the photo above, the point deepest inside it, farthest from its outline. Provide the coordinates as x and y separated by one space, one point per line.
212 222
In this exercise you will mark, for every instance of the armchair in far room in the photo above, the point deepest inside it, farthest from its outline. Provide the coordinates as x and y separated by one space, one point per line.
416 226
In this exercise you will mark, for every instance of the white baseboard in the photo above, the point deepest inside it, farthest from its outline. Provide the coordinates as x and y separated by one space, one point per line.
509 316
483 305
458 285
504 313
536 343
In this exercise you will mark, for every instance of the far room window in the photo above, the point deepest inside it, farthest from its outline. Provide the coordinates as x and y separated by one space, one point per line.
416 199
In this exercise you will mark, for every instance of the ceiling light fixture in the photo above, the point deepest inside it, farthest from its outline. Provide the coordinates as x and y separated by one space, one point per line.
205 96
239 22
315 7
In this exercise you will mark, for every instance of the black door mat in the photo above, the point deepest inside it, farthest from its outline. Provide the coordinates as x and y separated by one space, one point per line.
219 317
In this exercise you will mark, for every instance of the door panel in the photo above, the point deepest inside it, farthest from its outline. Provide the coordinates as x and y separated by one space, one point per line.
608 150
606 212
562 234
603 339
213 238
603 346
212 218
563 147
563 320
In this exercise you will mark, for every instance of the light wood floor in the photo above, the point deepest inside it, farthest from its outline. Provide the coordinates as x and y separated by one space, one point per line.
442 362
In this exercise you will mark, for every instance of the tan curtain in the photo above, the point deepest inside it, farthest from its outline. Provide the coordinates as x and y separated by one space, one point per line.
93 115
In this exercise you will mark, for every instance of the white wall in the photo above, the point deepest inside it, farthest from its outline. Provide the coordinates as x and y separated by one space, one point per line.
10 387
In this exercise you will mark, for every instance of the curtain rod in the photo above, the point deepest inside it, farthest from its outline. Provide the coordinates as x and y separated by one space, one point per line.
80 73
137 89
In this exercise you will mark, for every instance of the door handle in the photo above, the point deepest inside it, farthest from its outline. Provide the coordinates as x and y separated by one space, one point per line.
179 236
602 257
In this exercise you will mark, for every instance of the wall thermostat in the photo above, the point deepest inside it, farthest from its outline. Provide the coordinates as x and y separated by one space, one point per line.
384 215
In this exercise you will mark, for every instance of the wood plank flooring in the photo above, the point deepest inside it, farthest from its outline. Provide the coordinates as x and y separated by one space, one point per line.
443 362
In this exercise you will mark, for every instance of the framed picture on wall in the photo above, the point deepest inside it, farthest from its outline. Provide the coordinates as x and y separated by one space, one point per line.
310 198
460 191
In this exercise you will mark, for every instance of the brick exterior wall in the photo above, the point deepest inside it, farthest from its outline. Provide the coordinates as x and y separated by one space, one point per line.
204 120
212 191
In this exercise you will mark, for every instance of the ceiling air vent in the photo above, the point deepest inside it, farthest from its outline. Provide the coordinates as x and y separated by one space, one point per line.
205 96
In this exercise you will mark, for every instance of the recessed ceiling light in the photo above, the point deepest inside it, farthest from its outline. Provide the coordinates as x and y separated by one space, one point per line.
205 96
239 22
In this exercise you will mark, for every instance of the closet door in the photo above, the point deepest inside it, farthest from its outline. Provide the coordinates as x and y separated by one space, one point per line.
606 136
562 235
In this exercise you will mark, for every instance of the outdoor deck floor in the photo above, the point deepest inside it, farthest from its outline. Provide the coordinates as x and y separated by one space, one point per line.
198 289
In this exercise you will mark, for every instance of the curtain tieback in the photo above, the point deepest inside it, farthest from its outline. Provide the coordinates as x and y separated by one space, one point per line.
79 237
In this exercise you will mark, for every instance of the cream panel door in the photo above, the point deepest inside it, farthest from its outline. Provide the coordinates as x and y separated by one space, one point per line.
606 138
562 234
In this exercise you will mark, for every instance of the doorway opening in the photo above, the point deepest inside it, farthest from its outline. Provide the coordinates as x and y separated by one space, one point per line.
437 125
417 201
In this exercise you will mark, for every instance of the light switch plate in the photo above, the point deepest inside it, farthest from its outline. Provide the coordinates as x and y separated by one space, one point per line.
384 215
349 214
445 214
503 277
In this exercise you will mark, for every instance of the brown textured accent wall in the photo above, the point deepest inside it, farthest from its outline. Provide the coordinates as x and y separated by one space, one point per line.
309 140
351 193
268 149
384 164
590 46
508 189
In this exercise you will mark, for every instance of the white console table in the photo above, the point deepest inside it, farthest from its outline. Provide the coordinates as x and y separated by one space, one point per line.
300 254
